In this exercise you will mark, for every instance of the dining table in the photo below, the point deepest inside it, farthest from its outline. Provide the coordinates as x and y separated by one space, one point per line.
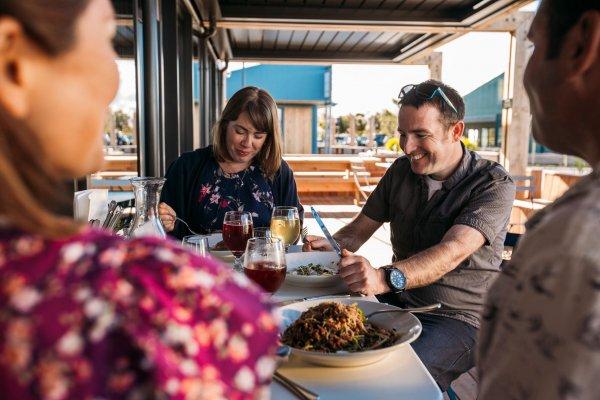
400 375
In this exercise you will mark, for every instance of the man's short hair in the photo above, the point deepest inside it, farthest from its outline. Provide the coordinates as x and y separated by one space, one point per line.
562 16
448 115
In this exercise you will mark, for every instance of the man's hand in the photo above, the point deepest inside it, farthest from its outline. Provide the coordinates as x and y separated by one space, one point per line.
317 243
360 276
167 216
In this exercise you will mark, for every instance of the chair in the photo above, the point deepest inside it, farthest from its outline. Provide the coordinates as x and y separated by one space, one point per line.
525 183
364 188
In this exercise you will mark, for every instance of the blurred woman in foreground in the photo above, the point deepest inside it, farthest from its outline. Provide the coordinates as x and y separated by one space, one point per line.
84 314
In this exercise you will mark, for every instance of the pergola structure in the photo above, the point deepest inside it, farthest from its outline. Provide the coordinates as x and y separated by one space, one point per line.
166 36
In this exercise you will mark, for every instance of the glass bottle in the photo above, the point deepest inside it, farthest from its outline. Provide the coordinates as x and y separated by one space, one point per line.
147 196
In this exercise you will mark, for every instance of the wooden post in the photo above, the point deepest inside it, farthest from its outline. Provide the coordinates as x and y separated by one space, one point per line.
333 130
352 129
516 113
434 63
372 131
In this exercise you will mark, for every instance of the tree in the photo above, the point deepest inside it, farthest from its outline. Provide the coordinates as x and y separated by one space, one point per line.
360 122
122 122
386 122
342 124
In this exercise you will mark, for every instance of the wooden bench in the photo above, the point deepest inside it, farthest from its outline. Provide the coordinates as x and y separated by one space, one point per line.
118 181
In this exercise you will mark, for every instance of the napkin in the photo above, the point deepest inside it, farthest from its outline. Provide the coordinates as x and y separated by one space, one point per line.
90 204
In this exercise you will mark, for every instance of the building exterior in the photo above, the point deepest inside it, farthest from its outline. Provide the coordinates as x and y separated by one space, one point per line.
299 90
483 117
483 114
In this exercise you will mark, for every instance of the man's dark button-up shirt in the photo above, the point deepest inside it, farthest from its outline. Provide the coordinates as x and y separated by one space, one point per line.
479 194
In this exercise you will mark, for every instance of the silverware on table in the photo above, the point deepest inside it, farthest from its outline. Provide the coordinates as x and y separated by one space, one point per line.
326 296
332 241
414 310
115 218
186 225
300 391
112 206
303 234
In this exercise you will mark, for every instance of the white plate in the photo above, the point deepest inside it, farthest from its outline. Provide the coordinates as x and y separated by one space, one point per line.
224 255
327 259
406 324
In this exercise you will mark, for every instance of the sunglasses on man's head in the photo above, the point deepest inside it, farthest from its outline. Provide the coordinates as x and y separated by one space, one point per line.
426 93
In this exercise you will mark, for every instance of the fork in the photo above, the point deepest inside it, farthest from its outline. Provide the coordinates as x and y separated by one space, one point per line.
294 387
414 310
303 234
186 225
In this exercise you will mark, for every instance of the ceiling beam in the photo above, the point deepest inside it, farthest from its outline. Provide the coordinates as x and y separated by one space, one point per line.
315 57
343 20
228 23
289 13
501 21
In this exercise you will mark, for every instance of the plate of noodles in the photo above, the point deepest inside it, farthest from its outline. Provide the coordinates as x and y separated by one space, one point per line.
334 332
312 269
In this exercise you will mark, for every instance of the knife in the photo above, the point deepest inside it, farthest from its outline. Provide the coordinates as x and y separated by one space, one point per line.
333 243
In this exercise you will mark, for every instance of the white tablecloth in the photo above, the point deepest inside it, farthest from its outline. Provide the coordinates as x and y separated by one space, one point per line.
399 376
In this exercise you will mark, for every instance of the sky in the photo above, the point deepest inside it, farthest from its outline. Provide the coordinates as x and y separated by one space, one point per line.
468 62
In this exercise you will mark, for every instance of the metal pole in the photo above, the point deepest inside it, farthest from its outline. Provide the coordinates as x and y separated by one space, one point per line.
152 147
204 94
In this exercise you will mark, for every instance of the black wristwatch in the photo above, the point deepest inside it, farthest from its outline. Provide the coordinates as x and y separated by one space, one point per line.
394 278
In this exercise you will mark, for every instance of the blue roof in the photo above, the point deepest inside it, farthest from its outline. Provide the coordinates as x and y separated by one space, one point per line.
286 83
485 103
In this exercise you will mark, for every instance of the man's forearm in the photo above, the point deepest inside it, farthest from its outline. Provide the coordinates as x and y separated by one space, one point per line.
429 265
348 238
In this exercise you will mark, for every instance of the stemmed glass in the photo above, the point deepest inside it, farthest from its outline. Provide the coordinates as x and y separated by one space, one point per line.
264 262
285 224
237 229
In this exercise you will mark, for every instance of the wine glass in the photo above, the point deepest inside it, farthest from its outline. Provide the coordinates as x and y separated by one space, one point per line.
285 224
237 229
264 262
196 243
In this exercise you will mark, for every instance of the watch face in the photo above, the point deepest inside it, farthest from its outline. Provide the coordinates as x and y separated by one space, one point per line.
397 279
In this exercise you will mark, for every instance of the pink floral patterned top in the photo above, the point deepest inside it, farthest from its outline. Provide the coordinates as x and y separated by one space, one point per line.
95 316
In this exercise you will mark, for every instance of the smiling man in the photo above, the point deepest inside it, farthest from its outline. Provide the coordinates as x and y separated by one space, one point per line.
448 211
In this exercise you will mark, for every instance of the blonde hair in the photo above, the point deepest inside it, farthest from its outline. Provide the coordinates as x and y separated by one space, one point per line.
262 111
31 198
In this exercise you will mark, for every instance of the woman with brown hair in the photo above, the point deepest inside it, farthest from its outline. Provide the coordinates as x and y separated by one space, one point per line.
241 171
85 314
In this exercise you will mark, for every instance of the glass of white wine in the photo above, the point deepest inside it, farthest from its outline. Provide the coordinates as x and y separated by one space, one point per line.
285 224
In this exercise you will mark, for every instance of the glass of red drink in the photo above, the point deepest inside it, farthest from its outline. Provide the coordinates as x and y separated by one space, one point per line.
237 229
264 262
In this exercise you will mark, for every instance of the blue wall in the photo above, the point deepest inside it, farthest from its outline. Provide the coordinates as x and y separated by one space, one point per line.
485 103
308 83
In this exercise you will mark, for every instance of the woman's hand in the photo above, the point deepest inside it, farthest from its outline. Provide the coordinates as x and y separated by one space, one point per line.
167 216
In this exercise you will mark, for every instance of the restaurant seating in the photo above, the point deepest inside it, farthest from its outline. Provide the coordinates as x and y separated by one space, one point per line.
364 188
525 187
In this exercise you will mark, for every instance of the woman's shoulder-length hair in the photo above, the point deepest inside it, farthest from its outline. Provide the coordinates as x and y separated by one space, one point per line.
262 111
